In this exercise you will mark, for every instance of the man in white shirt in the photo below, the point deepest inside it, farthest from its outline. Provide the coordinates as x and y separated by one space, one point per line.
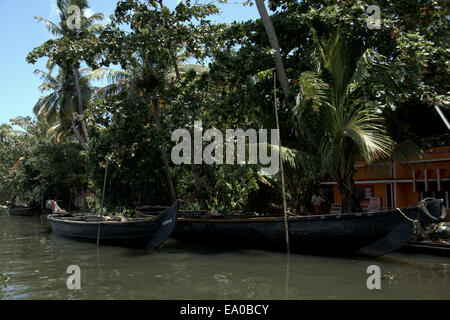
316 201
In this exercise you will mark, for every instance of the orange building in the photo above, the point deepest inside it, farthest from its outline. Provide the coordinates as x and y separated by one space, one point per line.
394 184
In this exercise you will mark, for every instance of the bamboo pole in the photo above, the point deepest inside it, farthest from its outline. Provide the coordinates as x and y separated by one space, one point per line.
286 226
103 199
442 115
42 198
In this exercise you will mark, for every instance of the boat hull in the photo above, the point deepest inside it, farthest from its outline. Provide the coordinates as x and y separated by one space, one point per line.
24 212
150 232
432 248
368 234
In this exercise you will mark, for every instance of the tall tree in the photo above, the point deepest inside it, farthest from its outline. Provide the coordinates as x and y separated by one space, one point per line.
63 29
151 49
267 22
140 79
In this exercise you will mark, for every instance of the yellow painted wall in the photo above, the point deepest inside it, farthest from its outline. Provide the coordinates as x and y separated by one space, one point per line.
405 195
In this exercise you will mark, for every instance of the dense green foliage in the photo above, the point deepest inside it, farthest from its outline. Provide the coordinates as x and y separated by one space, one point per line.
35 167
168 68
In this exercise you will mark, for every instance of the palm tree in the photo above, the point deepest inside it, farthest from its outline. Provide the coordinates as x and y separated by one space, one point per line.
88 26
332 109
58 107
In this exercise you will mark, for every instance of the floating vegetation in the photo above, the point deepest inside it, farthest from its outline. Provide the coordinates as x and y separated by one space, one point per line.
390 276
4 277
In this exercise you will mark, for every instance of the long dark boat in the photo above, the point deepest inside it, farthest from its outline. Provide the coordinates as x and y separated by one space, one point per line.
423 247
368 233
134 232
24 211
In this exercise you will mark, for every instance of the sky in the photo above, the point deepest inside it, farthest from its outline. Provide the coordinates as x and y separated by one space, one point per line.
20 33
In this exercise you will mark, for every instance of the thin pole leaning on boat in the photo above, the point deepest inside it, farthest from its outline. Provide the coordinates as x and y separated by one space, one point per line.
286 226
103 199
42 199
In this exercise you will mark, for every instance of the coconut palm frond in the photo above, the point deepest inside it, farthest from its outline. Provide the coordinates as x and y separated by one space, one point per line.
298 159
67 106
45 76
96 28
315 57
313 102
319 54
95 17
370 64
51 116
53 28
55 129
361 72
364 127
50 65
109 90
314 93
43 104
405 150
111 75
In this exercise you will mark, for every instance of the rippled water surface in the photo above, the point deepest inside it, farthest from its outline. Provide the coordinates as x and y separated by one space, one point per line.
33 265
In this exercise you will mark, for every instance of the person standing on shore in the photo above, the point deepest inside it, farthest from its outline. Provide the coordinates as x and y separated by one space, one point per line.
316 201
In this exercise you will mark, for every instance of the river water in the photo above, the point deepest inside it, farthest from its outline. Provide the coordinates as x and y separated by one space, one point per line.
33 264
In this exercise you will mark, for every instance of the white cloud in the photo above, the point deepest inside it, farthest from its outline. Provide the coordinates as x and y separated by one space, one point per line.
88 12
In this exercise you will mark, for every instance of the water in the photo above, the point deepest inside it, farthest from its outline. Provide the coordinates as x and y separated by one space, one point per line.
35 261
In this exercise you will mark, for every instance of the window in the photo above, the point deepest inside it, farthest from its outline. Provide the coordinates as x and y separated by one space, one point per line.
365 193
388 196
368 192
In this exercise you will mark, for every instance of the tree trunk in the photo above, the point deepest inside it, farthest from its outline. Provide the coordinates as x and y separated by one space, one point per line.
80 103
294 192
78 135
270 31
197 180
349 195
95 201
173 195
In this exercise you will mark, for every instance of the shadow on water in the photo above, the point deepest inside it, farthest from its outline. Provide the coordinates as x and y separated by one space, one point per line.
36 261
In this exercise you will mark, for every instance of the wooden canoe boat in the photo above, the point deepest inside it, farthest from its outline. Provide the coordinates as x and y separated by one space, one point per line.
135 232
433 248
369 233
24 211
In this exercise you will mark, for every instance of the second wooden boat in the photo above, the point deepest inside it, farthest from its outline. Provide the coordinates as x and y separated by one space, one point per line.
424 247
24 211
135 232
367 233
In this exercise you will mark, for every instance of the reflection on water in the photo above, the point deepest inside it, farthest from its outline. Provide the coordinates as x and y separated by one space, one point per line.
35 261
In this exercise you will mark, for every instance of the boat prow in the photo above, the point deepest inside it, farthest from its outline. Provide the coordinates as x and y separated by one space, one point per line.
428 211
